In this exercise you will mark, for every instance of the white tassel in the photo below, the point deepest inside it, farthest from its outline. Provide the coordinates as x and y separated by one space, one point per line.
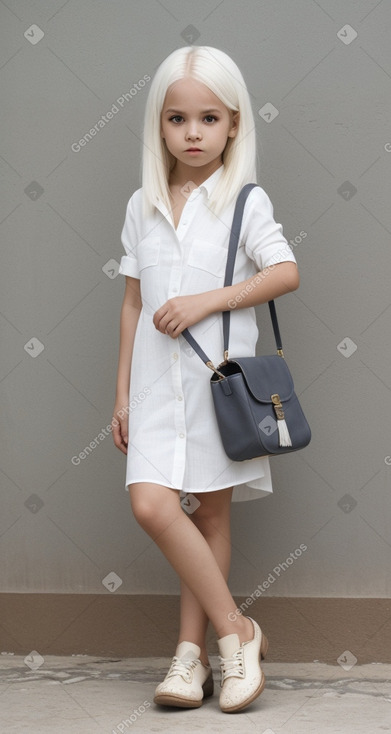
283 433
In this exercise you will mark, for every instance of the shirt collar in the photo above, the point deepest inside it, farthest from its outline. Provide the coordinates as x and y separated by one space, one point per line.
211 182
208 185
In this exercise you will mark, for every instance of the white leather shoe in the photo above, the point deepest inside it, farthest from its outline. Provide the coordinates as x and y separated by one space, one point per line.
188 680
242 679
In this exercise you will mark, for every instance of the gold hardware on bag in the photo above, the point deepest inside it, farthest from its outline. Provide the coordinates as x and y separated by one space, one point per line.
226 356
277 405
280 353
213 368
283 432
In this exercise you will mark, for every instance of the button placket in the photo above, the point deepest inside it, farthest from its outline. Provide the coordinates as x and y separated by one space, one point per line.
175 283
176 271
187 214
178 406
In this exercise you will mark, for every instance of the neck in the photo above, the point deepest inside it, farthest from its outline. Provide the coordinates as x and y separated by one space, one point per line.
181 174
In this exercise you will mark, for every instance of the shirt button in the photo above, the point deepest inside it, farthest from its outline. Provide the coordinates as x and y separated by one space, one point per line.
175 356
179 397
181 435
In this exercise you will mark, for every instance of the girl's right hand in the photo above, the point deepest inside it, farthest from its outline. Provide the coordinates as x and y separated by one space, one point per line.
119 424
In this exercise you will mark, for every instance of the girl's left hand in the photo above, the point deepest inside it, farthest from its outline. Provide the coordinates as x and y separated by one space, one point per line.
179 313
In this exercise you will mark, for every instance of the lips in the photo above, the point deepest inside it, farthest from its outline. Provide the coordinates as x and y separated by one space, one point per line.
193 150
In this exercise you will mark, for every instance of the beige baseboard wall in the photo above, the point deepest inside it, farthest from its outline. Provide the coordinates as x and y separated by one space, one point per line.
299 629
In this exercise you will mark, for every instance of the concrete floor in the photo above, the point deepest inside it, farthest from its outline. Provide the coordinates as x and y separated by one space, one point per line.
88 695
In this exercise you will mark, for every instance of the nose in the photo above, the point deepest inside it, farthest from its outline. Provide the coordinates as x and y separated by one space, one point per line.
193 132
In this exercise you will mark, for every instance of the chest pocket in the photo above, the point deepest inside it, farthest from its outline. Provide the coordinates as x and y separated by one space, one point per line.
148 252
207 257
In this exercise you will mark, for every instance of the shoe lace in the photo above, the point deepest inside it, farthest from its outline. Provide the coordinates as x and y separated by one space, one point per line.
185 668
232 667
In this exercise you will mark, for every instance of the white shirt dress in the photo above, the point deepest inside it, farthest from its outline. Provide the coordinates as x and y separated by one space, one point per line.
173 435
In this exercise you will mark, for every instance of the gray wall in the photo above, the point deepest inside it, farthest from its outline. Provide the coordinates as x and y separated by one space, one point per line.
325 162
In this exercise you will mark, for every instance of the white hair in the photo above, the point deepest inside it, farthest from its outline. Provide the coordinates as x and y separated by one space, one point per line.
220 74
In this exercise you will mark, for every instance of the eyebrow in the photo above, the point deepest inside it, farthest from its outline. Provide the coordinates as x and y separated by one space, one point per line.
204 112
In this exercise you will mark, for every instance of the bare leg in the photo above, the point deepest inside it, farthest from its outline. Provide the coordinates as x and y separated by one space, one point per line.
212 518
158 511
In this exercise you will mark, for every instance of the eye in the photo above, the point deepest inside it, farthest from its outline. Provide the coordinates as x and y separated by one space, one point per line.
210 118
176 119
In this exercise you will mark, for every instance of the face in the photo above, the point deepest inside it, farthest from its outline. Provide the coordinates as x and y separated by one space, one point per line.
196 125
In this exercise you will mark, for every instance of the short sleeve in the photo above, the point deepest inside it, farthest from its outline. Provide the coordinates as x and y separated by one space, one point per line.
264 241
129 239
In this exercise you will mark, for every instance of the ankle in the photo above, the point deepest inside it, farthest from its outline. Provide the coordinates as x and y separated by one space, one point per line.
203 651
246 629
242 626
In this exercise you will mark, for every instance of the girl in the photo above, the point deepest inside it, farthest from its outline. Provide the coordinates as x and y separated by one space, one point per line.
199 150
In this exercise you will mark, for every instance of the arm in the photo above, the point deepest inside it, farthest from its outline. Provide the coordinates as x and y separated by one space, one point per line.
130 312
274 281
179 313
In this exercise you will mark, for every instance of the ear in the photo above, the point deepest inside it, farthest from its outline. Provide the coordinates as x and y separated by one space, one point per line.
234 125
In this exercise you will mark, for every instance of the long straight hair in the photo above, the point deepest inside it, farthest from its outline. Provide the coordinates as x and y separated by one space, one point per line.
220 74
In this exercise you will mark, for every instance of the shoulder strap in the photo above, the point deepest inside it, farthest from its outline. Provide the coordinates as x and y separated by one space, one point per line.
231 257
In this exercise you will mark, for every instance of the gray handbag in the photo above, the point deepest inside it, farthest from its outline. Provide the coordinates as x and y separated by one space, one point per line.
257 410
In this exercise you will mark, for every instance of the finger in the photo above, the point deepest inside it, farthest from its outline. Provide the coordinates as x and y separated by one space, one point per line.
161 324
173 331
115 430
165 325
158 315
155 320
123 448
118 437
124 430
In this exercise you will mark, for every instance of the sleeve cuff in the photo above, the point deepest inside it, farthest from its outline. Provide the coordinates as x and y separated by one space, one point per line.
284 254
128 266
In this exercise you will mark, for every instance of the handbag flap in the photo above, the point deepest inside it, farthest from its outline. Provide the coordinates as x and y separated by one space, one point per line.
265 376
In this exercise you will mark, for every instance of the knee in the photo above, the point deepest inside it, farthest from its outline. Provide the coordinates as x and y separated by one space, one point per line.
151 513
144 511
209 517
